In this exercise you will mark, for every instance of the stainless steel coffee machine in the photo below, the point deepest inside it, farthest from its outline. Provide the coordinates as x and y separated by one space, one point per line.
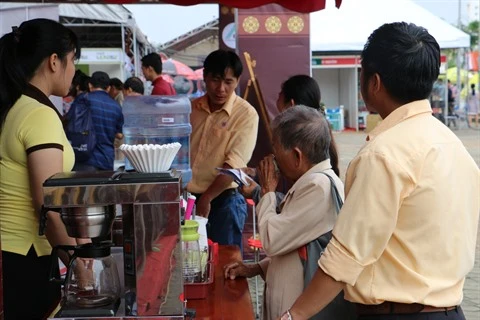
149 207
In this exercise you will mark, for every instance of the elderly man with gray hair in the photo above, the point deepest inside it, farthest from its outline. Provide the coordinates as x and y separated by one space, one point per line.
301 154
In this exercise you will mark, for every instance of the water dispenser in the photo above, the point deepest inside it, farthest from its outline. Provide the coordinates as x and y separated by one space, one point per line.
160 120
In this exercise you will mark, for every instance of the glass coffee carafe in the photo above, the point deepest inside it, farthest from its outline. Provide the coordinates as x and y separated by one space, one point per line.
92 278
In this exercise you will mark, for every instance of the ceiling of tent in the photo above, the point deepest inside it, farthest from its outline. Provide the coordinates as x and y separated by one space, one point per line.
76 14
299 5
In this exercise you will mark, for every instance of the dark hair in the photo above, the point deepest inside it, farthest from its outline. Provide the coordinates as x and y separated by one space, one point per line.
24 49
100 79
153 60
304 128
83 83
472 86
217 62
135 84
304 90
117 83
407 59
79 80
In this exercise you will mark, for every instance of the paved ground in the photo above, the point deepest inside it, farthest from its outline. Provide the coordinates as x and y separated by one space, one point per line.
349 143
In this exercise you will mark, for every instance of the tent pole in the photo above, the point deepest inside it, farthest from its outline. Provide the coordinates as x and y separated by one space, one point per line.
459 59
122 72
478 59
135 51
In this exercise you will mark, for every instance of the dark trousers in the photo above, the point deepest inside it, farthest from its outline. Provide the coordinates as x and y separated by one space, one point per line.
456 314
27 292
227 218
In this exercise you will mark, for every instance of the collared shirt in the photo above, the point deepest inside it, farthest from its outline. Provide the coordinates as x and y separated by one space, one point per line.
407 230
307 212
227 135
108 120
162 88
33 123
119 98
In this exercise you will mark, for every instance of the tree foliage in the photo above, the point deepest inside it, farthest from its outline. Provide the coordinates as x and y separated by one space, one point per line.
472 29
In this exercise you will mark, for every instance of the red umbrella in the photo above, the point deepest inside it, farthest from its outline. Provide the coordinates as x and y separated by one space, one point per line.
176 68
199 73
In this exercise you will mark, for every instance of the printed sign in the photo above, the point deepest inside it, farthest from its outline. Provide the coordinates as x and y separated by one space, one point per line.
229 35
103 56
335 61
168 120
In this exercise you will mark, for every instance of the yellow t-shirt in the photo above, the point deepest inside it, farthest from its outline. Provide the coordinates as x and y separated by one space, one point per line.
29 124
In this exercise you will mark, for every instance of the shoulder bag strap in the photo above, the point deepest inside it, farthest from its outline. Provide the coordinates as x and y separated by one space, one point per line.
337 199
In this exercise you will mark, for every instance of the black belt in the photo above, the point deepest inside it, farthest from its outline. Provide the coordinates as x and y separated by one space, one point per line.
389 307
225 194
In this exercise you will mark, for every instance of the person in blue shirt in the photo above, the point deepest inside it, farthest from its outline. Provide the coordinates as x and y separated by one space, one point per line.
108 120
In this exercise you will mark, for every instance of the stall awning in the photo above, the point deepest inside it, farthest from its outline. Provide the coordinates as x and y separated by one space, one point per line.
299 6
348 29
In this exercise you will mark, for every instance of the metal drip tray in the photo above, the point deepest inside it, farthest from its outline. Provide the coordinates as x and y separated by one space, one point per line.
73 310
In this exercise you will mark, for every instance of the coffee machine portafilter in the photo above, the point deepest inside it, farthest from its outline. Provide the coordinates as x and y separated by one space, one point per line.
149 207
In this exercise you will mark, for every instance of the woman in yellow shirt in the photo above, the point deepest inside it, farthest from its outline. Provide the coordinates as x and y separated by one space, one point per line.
36 61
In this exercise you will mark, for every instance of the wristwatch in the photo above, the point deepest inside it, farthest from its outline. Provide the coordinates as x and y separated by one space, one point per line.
287 315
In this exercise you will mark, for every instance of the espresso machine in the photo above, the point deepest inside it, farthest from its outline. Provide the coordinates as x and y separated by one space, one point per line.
148 205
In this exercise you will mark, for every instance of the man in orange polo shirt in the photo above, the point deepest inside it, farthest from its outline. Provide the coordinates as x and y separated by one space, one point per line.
405 238
224 133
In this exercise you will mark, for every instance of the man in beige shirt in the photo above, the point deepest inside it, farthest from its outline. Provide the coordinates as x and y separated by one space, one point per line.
224 132
405 238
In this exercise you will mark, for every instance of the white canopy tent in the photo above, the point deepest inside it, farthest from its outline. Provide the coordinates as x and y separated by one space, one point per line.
337 36
15 13
88 21
348 28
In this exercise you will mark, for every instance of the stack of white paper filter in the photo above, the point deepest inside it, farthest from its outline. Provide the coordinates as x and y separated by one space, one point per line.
151 157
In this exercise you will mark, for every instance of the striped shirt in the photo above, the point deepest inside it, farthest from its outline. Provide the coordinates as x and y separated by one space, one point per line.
108 120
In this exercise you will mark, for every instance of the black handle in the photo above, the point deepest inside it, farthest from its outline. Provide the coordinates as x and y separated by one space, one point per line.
54 255
43 221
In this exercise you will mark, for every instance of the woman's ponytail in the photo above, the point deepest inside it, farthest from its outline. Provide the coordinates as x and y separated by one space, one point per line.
23 50
12 79
332 150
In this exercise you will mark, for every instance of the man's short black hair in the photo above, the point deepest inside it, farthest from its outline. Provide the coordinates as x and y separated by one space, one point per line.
407 59
153 60
218 61
117 83
100 80
79 80
135 84
83 83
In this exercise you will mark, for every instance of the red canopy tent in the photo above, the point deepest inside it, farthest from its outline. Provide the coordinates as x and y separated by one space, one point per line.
304 6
